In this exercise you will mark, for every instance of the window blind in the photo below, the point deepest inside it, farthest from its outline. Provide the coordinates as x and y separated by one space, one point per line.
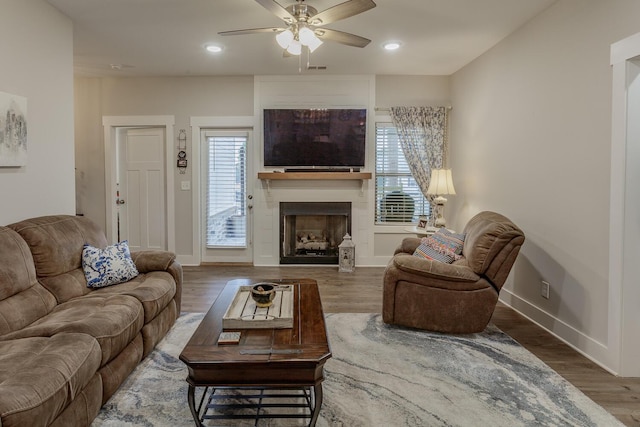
226 208
398 197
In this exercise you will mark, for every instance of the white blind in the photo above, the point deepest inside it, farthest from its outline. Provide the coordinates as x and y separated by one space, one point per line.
398 197
226 208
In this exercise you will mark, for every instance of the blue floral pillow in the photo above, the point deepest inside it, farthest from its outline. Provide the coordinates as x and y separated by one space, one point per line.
108 266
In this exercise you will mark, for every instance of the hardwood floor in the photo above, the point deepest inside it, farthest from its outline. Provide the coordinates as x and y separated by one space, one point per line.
361 292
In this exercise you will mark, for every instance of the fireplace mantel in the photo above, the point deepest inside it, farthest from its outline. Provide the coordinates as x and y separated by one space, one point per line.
269 176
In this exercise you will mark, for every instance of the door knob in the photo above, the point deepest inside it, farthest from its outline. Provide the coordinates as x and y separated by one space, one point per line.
119 202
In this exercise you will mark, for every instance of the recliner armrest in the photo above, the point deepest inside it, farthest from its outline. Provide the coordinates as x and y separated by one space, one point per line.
434 269
408 245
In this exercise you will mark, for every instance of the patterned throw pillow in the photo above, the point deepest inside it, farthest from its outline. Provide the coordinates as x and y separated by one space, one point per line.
109 266
443 246
427 252
446 240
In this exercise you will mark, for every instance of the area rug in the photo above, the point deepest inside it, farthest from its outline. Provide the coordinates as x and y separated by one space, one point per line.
383 375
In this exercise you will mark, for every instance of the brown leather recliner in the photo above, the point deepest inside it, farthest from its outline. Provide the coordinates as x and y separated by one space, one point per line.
458 297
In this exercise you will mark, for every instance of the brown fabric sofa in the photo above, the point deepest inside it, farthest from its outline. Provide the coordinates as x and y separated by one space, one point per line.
66 348
458 297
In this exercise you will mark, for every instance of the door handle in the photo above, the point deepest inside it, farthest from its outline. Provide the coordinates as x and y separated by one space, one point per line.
120 202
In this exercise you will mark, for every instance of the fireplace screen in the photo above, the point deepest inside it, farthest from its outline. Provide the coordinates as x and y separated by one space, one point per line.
310 232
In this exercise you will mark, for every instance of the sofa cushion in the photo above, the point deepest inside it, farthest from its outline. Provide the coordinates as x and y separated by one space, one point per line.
66 286
154 290
108 266
41 376
56 241
22 299
114 320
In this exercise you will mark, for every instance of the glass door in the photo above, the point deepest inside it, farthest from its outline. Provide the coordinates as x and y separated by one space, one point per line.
226 199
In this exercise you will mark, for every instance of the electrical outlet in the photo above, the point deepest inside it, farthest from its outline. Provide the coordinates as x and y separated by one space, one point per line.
544 289
185 185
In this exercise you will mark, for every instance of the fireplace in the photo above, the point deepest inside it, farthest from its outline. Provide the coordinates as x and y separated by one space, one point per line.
310 232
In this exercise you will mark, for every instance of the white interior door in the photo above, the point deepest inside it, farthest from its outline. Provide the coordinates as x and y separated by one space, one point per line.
141 184
227 200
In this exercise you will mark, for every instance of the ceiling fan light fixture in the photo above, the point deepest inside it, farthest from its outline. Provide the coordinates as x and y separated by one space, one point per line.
306 36
295 47
284 38
314 44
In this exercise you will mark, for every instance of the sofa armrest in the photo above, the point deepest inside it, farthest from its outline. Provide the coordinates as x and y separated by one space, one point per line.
148 261
429 270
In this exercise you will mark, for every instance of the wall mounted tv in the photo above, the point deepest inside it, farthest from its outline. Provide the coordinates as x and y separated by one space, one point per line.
298 138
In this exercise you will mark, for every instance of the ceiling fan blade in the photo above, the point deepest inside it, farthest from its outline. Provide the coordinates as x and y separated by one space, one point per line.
251 31
341 37
275 8
341 11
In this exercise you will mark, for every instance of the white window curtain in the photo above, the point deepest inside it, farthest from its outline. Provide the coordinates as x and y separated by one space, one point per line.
423 137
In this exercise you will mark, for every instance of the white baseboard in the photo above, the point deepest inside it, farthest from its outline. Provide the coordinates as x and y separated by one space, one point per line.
591 349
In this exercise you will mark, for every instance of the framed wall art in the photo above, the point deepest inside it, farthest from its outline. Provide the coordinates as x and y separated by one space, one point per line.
13 130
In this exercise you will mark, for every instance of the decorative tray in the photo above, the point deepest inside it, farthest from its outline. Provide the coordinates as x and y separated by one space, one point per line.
244 314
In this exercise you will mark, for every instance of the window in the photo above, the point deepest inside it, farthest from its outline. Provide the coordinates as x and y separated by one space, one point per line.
226 208
398 197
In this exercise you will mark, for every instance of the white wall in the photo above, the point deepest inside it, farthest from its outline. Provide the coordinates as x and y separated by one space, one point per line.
187 97
182 97
531 132
312 92
37 63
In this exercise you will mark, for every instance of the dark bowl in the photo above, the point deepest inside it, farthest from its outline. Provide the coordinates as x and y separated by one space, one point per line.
263 294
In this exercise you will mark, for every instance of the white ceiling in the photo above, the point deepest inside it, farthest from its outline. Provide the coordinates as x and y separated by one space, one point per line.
167 37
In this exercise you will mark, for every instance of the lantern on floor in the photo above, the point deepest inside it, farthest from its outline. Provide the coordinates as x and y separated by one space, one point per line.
347 255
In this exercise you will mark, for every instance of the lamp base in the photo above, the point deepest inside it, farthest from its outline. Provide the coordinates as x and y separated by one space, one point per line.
439 212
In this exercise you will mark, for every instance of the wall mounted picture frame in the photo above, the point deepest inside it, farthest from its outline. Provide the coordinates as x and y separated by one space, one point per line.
13 130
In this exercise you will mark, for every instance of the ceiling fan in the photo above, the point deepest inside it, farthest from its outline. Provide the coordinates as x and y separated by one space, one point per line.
305 25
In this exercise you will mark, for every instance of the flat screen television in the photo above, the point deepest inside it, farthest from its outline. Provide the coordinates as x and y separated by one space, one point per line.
319 137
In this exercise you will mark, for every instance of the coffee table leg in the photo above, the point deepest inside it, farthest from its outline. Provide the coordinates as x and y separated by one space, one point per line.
192 404
317 394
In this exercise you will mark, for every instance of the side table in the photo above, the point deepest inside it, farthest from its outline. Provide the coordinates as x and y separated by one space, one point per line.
421 232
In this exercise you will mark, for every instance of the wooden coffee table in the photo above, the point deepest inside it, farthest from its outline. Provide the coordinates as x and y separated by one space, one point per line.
267 361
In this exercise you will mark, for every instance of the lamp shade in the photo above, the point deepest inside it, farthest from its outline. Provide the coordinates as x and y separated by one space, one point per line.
314 44
306 36
284 38
295 47
441 183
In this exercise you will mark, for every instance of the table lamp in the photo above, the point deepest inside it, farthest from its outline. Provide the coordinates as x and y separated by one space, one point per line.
440 185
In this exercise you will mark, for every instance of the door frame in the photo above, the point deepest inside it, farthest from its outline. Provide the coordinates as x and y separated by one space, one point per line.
199 124
623 316
111 124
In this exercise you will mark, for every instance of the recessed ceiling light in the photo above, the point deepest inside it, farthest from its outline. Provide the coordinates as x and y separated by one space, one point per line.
391 45
214 48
